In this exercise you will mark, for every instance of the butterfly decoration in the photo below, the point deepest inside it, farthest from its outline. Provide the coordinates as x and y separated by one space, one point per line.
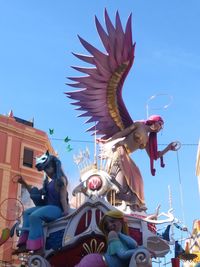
51 131
67 139
69 148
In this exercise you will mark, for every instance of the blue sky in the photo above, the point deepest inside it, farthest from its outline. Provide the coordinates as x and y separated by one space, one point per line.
37 38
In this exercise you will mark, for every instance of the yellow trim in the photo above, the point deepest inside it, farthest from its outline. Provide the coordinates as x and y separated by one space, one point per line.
111 94
127 148
93 247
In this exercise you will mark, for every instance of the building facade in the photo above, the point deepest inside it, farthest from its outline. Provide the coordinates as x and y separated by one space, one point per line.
20 143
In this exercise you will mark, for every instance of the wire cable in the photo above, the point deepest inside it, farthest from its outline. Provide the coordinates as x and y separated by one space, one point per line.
180 188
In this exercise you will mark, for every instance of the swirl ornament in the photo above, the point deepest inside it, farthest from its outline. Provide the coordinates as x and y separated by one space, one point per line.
37 261
141 257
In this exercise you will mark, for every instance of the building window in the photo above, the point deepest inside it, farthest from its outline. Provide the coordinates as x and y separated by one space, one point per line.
28 157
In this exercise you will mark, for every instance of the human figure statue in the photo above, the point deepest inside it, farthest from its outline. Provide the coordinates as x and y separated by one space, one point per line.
100 98
120 246
140 135
51 203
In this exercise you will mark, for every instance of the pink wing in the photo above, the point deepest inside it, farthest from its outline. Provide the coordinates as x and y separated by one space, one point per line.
100 92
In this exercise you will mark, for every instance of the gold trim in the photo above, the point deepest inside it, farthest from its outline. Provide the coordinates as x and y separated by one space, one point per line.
93 247
127 149
111 94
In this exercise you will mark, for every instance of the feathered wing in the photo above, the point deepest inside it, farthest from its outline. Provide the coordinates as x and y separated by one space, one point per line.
100 92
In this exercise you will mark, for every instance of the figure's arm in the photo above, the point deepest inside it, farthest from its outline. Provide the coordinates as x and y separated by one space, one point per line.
64 197
125 254
173 146
129 241
124 132
35 193
24 183
119 134
116 242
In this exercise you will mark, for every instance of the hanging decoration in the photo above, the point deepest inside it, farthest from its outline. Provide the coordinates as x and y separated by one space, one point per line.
51 131
11 209
69 148
67 139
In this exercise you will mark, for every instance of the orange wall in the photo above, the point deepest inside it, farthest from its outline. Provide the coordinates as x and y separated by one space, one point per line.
3 138
14 136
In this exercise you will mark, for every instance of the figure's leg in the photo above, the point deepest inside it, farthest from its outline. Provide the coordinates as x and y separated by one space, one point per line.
126 175
122 181
117 179
133 181
24 233
127 194
46 213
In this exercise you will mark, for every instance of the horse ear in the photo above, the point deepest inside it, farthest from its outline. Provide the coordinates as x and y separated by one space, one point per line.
47 152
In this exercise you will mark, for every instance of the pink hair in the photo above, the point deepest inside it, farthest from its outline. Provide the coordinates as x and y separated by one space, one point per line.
154 118
153 146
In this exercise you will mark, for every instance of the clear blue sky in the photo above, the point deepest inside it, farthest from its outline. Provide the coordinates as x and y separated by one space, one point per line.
37 38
